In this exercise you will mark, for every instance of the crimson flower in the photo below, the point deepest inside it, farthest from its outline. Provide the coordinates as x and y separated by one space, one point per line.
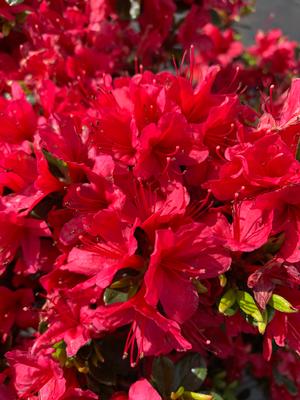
153 333
191 252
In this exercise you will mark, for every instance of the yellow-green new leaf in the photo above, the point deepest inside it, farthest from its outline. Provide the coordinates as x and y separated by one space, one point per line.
248 306
223 280
176 395
263 324
279 303
196 396
227 300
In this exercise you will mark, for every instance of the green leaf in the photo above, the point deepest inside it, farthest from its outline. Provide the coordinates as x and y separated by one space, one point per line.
271 313
57 167
247 9
230 311
248 306
7 27
283 380
112 296
227 300
178 394
43 326
122 283
30 97
199 287
190 372
135 9
14 2
60 352
223 280
60 345
279 303
215 18
162 375
263 324
298 151
216 396
273 244
123 9
250 60
196 396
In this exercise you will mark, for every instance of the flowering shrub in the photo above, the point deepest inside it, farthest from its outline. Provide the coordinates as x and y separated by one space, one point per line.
149 223
63 40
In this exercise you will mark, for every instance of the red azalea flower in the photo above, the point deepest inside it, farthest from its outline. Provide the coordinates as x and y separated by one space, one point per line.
219 131
157 144
224 46
8 11
138 205
250 228
274 51
282 117
37 374
283 328
203 331
108 250
18 120
155 21
67 323
264 280
115 132
196 103
78 394
119 396
18 172
16 309
60 138
18 232
191 252
153 333
267 163
286 219
141 390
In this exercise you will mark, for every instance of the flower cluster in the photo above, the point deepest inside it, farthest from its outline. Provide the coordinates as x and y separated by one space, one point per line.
149 224
68 39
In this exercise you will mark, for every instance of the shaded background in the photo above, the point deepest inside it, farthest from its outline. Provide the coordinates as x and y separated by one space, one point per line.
270 14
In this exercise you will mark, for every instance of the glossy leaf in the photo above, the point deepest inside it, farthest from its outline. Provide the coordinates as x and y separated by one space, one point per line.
190 372
263 324
227 300
248 306
14 2
112 296
279 303
163 370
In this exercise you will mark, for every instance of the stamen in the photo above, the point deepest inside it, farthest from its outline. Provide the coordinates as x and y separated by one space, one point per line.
175 65
271 103
198 335
136 65
168 161
236 218
130 344
182 61
192 62
90 202
219 154
196 208
110 249
228 87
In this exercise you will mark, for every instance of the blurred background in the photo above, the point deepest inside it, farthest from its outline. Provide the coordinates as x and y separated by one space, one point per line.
270 14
